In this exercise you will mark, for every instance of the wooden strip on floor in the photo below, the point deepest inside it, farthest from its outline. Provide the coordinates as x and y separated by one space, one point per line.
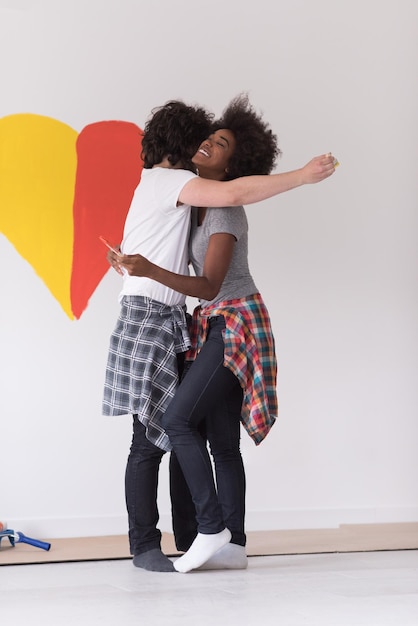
346 538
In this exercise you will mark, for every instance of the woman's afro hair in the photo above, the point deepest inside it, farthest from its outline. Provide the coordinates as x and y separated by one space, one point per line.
256 148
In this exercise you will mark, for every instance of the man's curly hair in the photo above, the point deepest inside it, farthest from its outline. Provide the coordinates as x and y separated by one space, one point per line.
175 130
256 148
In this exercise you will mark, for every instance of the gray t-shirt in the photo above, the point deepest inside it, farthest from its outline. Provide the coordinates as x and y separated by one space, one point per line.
238 282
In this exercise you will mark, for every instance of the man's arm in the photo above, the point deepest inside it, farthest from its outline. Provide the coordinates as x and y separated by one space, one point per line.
249 189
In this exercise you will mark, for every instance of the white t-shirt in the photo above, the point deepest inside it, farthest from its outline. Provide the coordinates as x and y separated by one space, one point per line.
159 230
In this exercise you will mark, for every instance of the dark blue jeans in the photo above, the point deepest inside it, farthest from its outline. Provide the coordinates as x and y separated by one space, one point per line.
210 395
141 483
141 486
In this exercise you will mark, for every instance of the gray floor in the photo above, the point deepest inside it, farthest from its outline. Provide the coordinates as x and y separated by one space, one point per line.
356 589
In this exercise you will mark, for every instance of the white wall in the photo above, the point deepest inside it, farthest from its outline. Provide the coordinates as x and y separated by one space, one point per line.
336 263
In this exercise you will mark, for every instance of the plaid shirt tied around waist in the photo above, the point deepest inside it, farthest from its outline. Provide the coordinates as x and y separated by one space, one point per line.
142 372
249 354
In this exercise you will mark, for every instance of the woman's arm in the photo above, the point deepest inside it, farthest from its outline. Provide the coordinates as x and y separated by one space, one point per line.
217 259
249 189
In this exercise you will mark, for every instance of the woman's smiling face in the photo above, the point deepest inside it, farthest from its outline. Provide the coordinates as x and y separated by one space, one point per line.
214 154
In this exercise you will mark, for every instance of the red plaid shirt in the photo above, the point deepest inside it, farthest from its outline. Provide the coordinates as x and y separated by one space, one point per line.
249 354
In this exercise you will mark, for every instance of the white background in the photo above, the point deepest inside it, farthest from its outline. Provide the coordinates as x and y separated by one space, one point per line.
336 262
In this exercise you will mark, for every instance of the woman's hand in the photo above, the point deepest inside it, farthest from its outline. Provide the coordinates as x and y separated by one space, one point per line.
136 264
217 260
319 168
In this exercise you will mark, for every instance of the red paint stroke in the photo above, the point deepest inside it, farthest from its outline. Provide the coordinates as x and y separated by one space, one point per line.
109 168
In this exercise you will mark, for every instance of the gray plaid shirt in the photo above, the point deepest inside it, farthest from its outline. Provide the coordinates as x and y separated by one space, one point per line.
141 373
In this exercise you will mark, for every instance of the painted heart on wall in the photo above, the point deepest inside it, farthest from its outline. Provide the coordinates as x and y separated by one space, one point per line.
60 190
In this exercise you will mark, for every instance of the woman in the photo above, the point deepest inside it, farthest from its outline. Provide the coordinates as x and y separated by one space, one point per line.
212 392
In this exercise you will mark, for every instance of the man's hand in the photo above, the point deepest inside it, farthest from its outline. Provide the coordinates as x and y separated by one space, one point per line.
114 260
319 168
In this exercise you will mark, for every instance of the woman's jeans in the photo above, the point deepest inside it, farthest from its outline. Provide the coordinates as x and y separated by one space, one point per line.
210 396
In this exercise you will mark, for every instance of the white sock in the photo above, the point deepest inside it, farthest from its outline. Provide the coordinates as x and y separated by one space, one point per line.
230 556
202 548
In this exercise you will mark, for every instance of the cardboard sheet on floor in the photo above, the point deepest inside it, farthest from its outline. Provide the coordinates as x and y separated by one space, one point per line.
345 538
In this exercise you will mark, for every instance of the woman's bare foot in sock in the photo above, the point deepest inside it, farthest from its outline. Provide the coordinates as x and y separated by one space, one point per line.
230 556
202 548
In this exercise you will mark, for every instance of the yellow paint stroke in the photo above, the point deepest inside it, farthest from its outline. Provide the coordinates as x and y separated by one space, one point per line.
37 176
